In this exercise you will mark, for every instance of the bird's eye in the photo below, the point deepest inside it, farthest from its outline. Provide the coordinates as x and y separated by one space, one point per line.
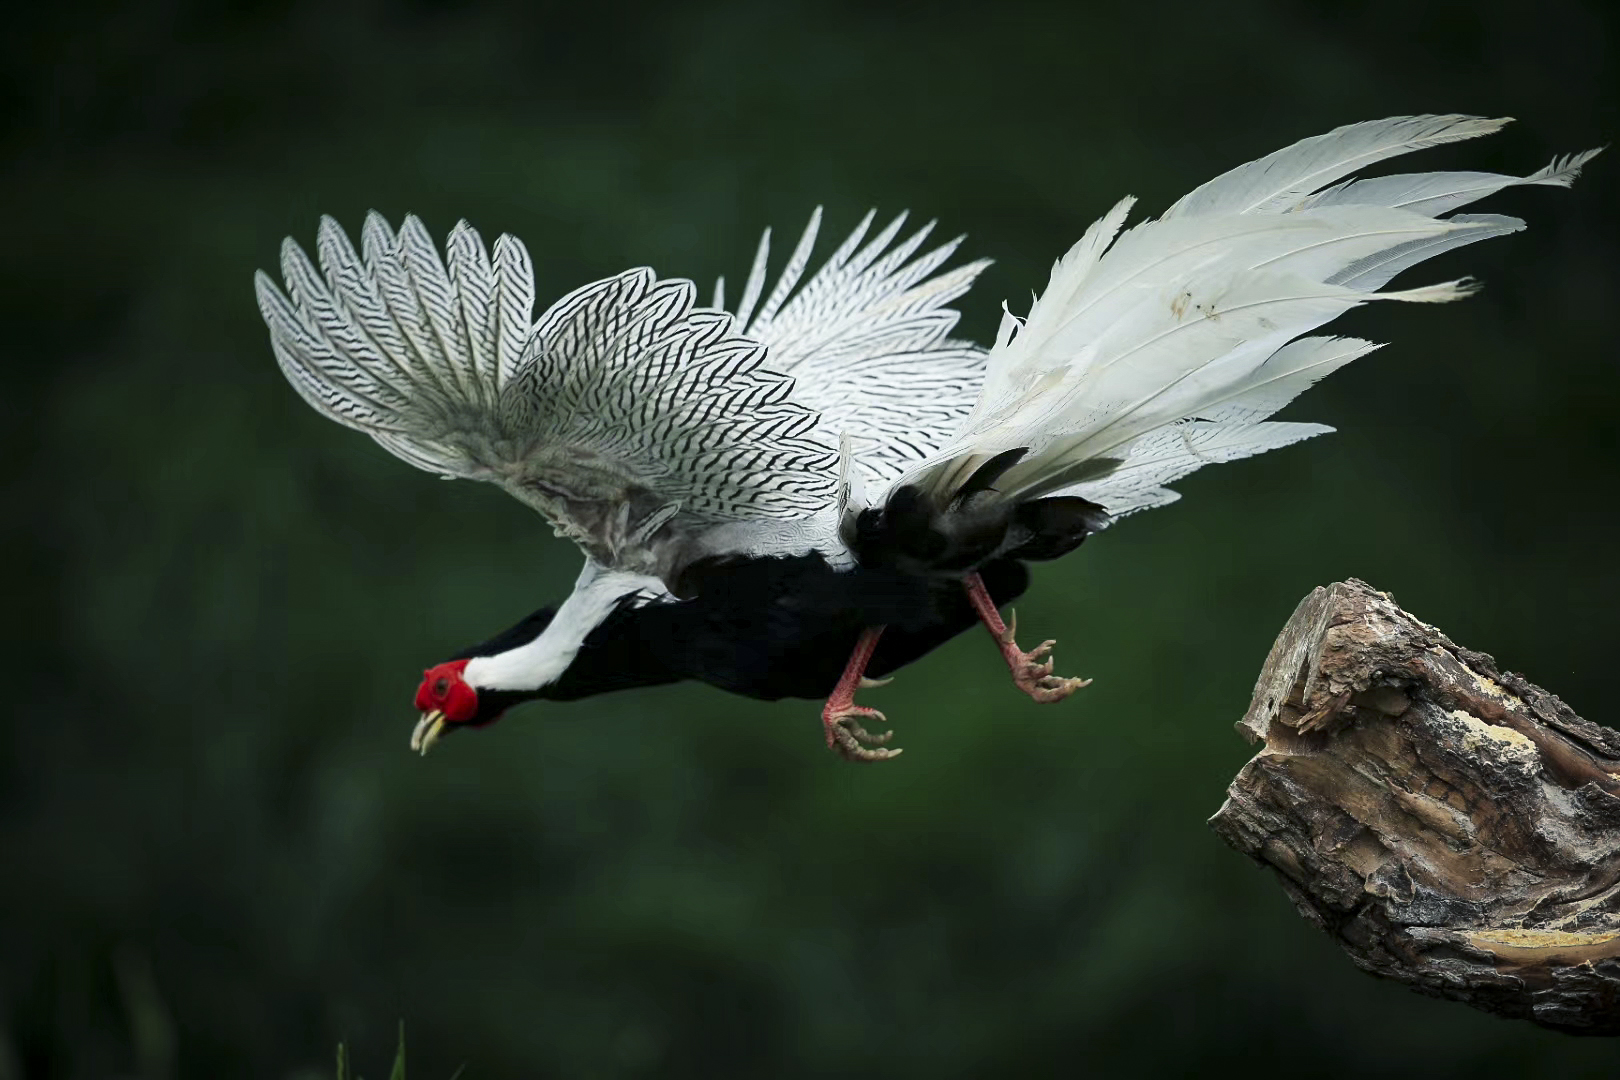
442 686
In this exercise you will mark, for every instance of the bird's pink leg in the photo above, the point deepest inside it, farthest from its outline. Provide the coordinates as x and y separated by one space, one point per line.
1029 674
841 716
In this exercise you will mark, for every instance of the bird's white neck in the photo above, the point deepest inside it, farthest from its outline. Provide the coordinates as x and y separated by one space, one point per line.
542 661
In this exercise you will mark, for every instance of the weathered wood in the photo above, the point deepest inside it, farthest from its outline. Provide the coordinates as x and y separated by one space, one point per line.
1450 826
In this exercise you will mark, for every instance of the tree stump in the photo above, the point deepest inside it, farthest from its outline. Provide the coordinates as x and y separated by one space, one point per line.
1450 826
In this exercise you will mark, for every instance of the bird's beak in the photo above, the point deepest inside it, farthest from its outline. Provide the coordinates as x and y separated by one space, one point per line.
428 730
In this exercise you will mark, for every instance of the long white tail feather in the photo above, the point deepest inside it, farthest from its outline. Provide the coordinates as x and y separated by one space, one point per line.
1171 453
1163 348
1283 376
1162 457
1069 275
1279 180
1179 370
1376 270
1175 345
1009 326
1317 245
1439 193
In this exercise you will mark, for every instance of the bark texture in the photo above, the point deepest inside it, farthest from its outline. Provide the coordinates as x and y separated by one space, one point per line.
1450 826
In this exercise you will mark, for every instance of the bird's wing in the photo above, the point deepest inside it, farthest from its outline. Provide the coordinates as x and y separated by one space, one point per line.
623 414
867 340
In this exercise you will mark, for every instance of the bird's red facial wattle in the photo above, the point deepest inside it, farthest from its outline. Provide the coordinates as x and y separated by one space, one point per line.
443 699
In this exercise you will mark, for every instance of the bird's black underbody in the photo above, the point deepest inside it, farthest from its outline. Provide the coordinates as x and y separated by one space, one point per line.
773 627
767 628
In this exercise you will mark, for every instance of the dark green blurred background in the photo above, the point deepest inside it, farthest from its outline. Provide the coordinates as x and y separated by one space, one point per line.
218 857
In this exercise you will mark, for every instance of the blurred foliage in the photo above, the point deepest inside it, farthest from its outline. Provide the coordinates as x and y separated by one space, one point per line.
219 857
345 1070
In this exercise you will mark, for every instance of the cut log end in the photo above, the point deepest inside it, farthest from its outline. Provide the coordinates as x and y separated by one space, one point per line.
1452 827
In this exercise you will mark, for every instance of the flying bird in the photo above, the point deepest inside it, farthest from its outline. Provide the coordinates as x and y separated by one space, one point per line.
798 494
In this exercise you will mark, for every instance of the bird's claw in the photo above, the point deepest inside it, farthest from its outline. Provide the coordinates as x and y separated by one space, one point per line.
852 742
1033 676
1047 688
1009 633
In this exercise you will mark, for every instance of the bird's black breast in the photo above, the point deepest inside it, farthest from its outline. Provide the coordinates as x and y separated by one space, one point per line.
779 627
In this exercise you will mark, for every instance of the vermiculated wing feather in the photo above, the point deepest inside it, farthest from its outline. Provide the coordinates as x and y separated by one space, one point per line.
514 284
696 410
624 412
472 279
867 340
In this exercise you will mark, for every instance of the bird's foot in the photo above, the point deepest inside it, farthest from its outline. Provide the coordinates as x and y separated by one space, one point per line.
1030 673
848 739
841 717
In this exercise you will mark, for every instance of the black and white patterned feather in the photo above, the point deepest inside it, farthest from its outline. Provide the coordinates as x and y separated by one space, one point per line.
867 340
623 414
